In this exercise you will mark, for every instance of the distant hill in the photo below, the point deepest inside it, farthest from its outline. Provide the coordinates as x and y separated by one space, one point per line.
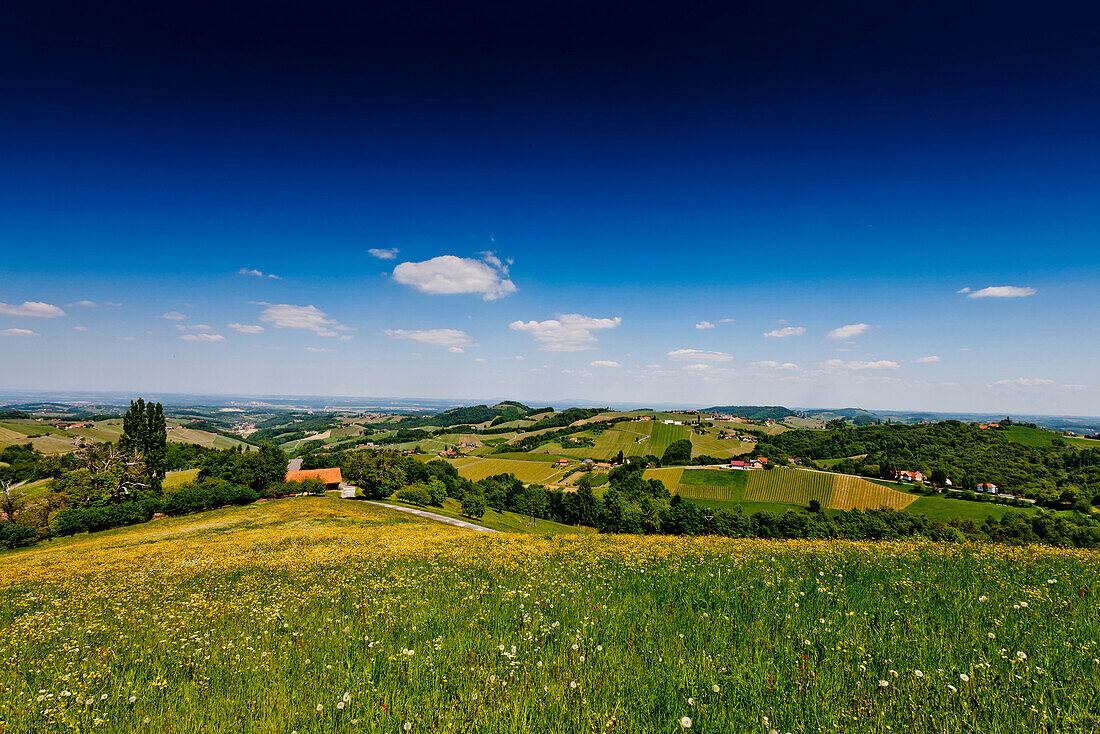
756 412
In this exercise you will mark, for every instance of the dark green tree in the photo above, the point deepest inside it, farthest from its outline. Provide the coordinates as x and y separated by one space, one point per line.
145 433
678 453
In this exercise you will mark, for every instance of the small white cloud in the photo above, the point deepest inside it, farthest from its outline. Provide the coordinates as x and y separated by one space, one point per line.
770 364
80 328
289 316
963 290
698 367
35 309
250 271
93 304
927 360
570 332
320 350
1002 291
1023 382
448 274
246 328
849 331
389 253
604 363
698 355
785 332
726 321
202 338
480 359
173 316
18 332
126 338
839 364
704 325
451 338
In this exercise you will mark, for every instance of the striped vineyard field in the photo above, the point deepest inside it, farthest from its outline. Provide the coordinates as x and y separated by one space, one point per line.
710 492
835 491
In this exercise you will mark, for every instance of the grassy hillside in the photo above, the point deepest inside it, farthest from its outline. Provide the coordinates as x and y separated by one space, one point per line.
321 615
1043 438
784 487
540 472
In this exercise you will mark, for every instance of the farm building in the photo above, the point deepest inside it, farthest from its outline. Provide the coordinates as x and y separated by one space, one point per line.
909 476
330 477
988 488
562 462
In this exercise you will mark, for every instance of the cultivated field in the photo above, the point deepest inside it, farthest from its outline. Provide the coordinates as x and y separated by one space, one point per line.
538 472
321 615
835 491
205 438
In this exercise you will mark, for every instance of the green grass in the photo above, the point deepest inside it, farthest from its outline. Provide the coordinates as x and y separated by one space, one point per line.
265 618
1042 438
944 508
181 476
716 477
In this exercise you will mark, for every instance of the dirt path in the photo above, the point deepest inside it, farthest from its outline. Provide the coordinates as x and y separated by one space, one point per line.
433 516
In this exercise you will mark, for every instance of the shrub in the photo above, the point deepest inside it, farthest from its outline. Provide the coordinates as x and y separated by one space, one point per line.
415 494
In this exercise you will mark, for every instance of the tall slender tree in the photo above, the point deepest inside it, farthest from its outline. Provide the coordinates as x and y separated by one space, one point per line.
145 432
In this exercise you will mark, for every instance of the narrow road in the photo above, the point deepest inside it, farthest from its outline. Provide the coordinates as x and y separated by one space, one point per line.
294 465
433 516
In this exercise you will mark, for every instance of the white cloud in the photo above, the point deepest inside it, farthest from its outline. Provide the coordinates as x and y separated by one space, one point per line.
194 327
1000 291
699 367
246 328
80 328
453 339
288 316
704 325
319 350
448 274
785 332
1023 382
848 331
388 253
927 360
604 363
839 364
36 309
202 338
126 338
770 364
963 290
173 316
698 355
570 332
726 321
18 332
93 304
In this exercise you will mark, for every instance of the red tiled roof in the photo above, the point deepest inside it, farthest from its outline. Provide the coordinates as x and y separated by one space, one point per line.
328 476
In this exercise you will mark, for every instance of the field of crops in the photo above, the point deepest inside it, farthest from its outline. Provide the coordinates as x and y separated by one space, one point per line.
632 439
204 438
835 491
321 615
539 472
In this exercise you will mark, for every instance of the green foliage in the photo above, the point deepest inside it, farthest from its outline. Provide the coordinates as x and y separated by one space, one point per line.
678 453
473 503
145 434
415 494
208 493
378 473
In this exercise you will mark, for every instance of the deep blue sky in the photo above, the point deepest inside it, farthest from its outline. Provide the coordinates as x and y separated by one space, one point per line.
781 165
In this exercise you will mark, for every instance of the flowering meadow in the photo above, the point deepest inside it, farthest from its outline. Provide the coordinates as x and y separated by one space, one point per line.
320 615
